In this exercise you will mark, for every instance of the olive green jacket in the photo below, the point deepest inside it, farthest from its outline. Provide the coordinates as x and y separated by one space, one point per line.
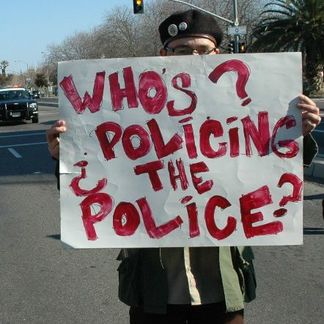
143 280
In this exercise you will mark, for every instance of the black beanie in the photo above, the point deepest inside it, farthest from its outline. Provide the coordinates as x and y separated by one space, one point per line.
190 23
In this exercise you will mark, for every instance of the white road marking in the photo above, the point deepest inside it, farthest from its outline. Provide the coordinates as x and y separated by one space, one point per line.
23 135
19 145
14 153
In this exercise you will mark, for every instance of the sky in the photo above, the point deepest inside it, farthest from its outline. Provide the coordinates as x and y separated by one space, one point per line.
27 27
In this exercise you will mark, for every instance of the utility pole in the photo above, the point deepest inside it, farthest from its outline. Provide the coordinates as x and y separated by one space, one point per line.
236 23
203 10
234 29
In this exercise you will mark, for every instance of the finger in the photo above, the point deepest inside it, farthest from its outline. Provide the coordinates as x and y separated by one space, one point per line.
307 129
58 128
59 123
312 118
54 142
309 123
54 150
306 100
54 132
308 126
309 108
52 136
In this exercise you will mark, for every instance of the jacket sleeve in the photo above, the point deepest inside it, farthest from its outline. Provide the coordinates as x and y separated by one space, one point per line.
310 149
243 260
57 173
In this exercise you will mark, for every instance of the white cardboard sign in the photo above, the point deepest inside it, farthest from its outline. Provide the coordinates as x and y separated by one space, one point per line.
181 151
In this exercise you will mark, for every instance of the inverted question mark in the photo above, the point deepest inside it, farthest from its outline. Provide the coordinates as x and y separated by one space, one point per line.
293 197
78 191
243 74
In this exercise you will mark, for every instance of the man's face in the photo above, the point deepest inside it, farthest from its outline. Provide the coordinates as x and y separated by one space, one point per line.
190 46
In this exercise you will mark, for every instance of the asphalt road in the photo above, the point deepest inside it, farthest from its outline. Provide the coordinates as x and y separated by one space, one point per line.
42 281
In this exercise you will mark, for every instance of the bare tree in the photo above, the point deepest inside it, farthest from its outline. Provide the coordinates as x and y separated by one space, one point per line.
76 47
3 66
123 34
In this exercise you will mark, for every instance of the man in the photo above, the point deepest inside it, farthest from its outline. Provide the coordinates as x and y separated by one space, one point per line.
189 285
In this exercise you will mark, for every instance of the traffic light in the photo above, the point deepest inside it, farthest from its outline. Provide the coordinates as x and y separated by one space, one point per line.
138 6
242 47
231 46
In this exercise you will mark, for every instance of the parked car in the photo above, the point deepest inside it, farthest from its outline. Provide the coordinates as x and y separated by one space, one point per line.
35 94
17 104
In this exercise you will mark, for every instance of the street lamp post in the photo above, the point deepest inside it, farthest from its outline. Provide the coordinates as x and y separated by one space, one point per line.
203 10
236 24
21 61
27 69
46 65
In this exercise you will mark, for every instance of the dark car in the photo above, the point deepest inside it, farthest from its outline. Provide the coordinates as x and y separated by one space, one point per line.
17 104
35 94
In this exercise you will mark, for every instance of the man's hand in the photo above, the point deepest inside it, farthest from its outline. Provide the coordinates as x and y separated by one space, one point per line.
310 113
53 140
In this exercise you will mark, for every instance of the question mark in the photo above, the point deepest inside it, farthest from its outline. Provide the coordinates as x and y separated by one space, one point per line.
295 195
243 74
78 191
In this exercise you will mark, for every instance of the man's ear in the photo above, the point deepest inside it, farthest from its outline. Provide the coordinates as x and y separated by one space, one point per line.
163 52
217 50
